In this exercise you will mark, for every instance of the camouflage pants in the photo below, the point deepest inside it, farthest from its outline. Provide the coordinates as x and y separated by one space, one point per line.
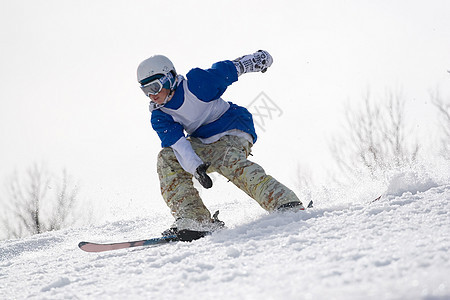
228 157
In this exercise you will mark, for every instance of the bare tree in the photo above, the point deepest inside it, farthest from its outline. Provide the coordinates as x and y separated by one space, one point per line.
375 138
65 204
39 202
443 109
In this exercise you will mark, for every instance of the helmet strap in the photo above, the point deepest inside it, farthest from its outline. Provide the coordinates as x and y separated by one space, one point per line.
169 95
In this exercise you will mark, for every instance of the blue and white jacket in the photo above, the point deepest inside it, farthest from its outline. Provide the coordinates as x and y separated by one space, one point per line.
198 109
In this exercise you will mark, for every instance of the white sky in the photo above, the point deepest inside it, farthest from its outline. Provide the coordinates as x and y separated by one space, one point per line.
69 96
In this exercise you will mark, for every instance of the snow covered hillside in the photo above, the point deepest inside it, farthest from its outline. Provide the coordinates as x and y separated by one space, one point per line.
394 248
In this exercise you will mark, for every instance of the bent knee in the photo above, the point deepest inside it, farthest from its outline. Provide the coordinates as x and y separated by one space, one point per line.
166 153
166 159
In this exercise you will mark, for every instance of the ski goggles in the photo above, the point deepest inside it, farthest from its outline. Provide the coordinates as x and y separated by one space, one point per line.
154 86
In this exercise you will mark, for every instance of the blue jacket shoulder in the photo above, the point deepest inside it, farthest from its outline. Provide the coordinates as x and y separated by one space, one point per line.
211 83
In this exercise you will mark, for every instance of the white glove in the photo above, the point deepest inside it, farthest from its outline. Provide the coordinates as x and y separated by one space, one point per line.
258 61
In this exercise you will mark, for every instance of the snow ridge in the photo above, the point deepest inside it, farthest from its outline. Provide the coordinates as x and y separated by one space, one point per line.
394 248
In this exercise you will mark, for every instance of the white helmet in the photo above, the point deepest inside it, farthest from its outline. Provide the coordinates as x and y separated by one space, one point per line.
157 64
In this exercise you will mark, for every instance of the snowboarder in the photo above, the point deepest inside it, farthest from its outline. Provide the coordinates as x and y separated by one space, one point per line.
219 139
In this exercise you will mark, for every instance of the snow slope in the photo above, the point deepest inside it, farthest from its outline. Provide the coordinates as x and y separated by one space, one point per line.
394 248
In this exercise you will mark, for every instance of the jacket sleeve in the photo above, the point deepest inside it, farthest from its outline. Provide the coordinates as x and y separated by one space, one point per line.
211 83
171 135
186 156
168 130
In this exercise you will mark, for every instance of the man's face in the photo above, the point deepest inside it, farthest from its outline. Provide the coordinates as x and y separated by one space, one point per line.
160 97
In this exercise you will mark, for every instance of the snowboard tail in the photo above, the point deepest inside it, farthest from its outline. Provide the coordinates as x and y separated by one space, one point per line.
95 247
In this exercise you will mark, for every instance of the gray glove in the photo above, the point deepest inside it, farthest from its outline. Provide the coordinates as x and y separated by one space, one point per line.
202 177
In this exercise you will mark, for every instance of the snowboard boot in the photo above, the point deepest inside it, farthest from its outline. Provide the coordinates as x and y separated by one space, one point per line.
188 230
291 206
